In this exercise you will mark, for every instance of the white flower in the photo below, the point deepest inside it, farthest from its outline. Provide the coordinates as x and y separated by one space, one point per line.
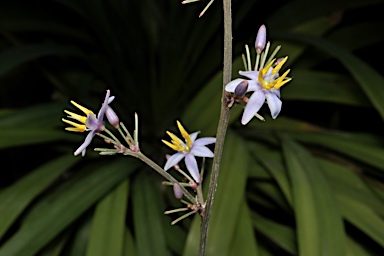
188 149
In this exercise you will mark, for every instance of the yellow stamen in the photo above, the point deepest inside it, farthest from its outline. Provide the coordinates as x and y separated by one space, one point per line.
76 116
185 134
278 81
77 127
174 138
85 110
265 70
277 86
278 66
170 145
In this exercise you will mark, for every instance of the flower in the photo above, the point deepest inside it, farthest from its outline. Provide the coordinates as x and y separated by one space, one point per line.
89 123
264 82
188 149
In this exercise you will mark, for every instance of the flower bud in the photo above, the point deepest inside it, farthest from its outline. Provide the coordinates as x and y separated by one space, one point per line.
261 39
241 89
113 119
177 191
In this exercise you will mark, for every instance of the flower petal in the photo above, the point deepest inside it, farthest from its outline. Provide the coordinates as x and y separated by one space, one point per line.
194 136
201 151
190 162
85 144
253 75
253 85
100 115
276 92
111 98
173 160
231 86
204 141
274 104
254 104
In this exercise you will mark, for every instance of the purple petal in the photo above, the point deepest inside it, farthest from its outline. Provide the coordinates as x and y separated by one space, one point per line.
253 85
231 86
173 160
100 115
86 143
201 151
253 75
194 136
111 98
190 162
254 104
204 141
92 122
274 104
276 92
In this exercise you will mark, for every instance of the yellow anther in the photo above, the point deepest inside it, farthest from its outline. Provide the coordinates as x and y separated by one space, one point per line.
278 66
85 110
77 127
185 134
170 145
76 116
277 86
174 138
265 70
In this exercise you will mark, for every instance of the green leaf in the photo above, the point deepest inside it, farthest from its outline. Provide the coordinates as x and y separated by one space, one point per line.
363 217
273 162
283 236
15 198
147 216
345 181
59 209
244 241
13 137
108 225
17 55
230 191
319 223
360 148
129 244
324 87
369 79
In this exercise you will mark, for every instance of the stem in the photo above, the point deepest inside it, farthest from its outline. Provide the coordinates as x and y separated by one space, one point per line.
163 173
222 127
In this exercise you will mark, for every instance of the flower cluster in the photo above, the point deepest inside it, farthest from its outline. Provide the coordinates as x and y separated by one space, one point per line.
188 149
264 81
90 122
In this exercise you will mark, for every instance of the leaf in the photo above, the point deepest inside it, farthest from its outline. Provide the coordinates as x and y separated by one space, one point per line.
13 137
324 87
283 236
363 218
147 215
59 209
17 55
230 192
15 198
319 223
108 225
360 148
244 241
370 81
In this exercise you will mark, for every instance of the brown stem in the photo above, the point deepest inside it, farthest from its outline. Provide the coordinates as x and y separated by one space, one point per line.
222 127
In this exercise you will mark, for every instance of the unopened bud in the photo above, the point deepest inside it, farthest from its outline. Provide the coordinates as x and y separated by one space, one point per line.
261 39
113 119
177 191
277 62
241 89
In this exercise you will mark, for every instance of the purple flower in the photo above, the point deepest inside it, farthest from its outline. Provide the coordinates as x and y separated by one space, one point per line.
188 149
266 86
89 123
